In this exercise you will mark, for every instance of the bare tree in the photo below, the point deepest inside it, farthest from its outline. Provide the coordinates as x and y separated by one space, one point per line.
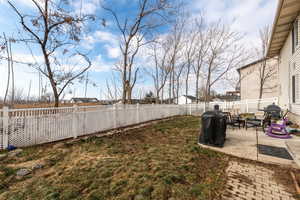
201 52
160 72
189 54
135 33
7 46
19 96
225 53
113 91
177 81
56 32
176 67
266 69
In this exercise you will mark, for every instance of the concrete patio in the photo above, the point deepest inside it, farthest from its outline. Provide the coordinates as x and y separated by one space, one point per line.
242 143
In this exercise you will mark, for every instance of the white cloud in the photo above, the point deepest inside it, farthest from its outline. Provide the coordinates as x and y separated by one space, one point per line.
113 52
99 65
246 16
88 42
109 41
23 76
18 2
27 58
105 36
86 6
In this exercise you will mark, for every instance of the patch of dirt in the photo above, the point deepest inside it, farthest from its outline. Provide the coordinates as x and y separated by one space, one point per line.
27 164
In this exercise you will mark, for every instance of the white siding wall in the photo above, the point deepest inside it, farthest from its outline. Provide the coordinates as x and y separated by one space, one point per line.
250 81
289 65
182 100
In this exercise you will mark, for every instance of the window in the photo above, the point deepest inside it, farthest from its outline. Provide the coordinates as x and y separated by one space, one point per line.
295 36
295 88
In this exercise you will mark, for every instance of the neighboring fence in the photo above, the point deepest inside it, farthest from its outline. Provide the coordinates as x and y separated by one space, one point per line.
26 127
246 106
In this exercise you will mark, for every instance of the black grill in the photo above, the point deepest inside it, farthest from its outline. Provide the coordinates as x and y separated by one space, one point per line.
272 111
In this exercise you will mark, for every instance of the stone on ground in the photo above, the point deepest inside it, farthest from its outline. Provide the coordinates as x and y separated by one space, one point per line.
3 156
23 172
37 166
15 152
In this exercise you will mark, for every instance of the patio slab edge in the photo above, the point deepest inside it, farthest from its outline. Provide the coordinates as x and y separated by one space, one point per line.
265 161
293 148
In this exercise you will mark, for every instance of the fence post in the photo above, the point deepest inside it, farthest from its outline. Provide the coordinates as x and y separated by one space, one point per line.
152 111
190 109
75 121
137 113
247 106
5 126
115 115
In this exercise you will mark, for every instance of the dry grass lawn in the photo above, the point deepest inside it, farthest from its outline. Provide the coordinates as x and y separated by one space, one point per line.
161 161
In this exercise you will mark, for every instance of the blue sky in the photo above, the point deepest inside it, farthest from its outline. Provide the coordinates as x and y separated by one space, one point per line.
246 16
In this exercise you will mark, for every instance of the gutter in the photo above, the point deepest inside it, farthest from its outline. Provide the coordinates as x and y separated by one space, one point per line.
279 7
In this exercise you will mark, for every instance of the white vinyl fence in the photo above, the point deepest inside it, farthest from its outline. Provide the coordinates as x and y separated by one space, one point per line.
26 127
245 106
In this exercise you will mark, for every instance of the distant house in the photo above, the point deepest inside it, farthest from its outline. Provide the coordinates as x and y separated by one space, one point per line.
84 100
216 99
139 101
186 99
250 79
226 98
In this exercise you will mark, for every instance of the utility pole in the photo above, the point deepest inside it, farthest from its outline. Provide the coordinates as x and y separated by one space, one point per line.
28 95
86 83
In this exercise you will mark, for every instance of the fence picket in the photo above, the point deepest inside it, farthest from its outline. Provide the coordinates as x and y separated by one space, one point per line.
5 126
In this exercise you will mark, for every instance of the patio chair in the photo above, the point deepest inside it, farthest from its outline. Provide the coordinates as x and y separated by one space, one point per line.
232 121
258 120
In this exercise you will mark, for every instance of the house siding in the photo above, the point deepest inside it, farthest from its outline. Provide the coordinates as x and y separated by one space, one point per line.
250 81
184 100
289 65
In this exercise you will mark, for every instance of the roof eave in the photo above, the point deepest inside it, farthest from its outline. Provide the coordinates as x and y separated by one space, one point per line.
279 7
287 12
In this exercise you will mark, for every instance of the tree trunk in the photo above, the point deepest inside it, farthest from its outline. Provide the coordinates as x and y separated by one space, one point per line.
197 87
170 88
51 78
56 101
173 87
162 96
207 90
157 97
124 91
8 79
187 83
177 91
12 76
